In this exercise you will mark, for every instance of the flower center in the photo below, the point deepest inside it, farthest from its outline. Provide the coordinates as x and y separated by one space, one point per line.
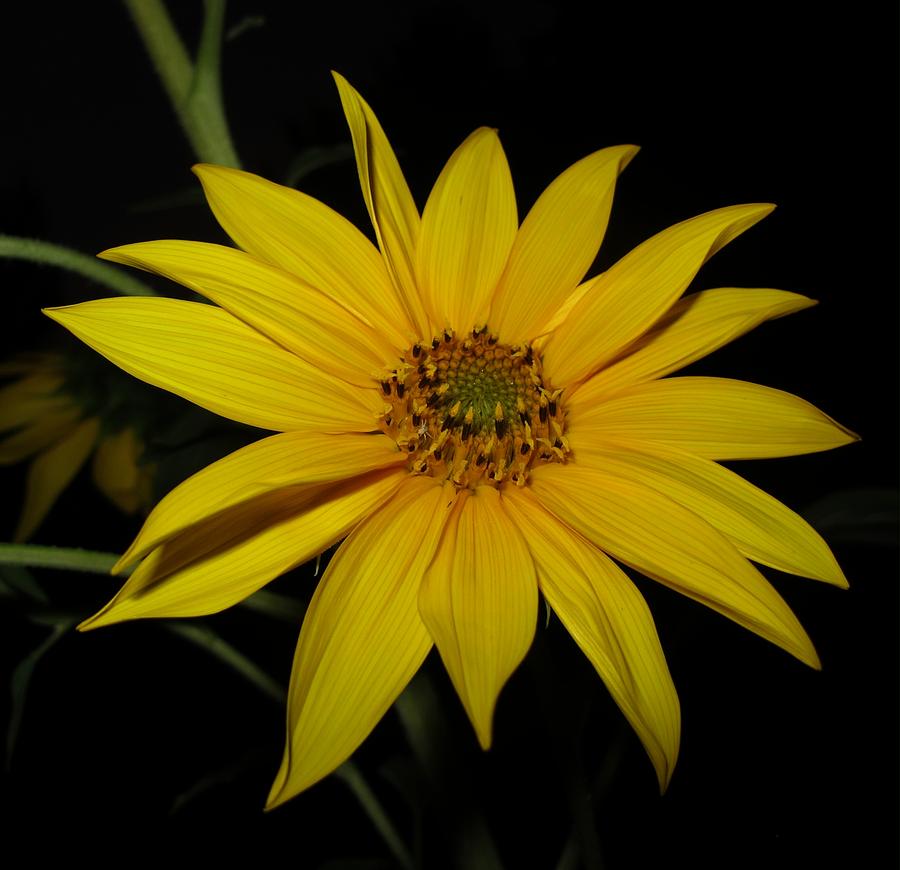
472 410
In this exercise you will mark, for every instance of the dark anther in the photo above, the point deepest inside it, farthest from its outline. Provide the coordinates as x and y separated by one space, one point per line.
557 443
435 344
388 420
545 455
432 400
481 459
421 369
492 339
424 383
474 332
437 455
394 377
543 413
447 337
491 474
523 417
386 387
529 359
416 420
416 350
466 431
524 448
500 427
552 407
401 389
447 422
411 447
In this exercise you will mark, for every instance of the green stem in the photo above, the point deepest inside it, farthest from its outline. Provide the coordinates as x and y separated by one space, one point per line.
68 558
350 775
49 254
195 93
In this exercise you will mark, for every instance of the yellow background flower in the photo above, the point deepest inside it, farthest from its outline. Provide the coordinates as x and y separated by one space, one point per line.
45 423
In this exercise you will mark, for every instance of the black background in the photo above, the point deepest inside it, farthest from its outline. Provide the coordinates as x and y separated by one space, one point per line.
760 102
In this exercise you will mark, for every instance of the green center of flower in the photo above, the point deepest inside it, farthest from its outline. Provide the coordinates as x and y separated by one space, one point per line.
472 410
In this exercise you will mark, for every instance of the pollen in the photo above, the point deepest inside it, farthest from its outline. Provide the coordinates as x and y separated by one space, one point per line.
473 411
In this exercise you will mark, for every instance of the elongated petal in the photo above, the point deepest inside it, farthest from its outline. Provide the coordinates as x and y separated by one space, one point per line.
209 357
362 638
30 397
556 244
609 619
51 472
280 461
220 562
307 239
468 228
391 207
694 327
117 472
634 293
53 423
290 312
479 601
717 418
648 531
760 526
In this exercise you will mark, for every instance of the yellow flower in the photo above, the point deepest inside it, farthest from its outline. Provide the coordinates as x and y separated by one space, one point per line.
46 421
475 422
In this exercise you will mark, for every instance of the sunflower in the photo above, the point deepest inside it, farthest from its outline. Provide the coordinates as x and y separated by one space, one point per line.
46 422
475 421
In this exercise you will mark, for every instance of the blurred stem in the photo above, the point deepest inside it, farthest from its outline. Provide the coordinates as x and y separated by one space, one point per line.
195 92
350 775
49 254
208 640
68 558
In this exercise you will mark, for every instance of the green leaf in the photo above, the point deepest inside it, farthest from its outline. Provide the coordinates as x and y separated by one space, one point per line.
19 581
20 682
213 643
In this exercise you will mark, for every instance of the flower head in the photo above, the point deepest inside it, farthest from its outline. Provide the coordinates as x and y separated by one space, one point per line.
477 423
49 422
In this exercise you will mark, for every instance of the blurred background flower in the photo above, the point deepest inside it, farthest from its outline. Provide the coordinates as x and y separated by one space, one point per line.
46 417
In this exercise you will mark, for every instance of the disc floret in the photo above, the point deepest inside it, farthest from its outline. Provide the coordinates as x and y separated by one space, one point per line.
472 410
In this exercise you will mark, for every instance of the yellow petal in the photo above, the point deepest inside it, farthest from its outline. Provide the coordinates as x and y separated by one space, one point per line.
51 472
479 601
632 295
209 357
692 328
556 244
760 526
220 562
609 619
54 422
304 237
717 418
287 310
468 228
653 534
391 207
280 461
362 637
117 472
